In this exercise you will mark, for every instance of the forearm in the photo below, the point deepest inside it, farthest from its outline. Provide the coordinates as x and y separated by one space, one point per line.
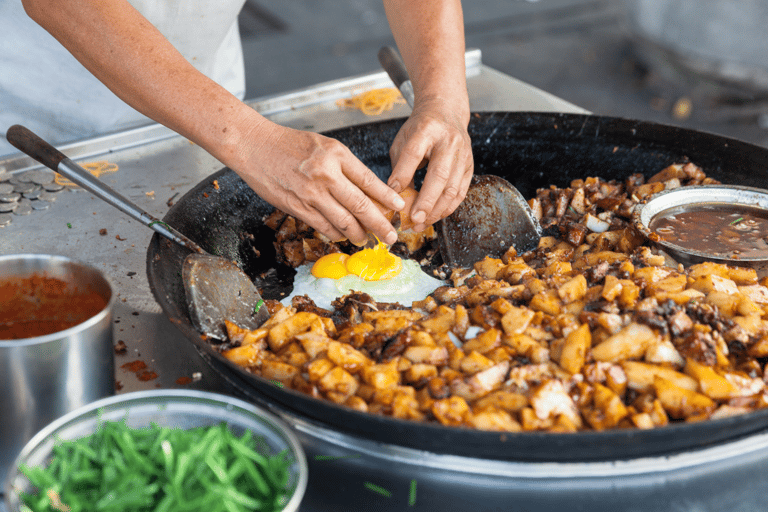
430 37
134 60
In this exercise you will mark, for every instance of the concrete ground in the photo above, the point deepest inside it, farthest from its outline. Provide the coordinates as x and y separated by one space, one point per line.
579 50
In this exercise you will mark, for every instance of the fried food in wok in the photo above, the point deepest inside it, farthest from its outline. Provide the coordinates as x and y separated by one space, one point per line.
592 330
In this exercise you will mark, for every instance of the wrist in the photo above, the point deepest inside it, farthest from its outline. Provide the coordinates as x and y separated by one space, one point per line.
234 137
454 107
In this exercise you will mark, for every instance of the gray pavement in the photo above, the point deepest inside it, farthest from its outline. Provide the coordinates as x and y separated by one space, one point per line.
579 50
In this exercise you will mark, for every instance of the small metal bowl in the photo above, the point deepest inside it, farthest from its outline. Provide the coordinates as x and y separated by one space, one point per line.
725 195
170 408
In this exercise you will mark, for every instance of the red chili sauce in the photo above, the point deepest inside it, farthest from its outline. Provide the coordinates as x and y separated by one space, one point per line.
723 231
40 305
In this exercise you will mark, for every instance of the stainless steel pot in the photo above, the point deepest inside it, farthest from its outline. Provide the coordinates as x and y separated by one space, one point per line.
44 377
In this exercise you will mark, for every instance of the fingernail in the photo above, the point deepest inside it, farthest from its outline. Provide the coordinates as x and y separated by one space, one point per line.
395 185
419 217
399 203
391 238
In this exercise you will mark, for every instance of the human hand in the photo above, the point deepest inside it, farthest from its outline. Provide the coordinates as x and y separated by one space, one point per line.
318 180
436 135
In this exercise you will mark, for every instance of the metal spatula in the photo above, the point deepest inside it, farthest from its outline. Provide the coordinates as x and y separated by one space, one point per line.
216 288
494 215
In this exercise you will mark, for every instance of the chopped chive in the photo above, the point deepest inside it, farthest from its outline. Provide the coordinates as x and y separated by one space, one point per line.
236 469
215 464
336 457
258 306
412 494
248 452
242 499
736 221
256 477
158 222
378 489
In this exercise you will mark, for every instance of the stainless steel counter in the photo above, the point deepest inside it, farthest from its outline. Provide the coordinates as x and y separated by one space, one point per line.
155 166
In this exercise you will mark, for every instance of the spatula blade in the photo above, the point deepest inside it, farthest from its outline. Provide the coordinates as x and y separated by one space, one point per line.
492 217
217 289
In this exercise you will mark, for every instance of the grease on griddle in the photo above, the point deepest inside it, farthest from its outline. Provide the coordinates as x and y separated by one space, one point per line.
146 375
139 368
134 366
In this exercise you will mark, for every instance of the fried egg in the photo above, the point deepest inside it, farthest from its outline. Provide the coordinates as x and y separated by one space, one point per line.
377 272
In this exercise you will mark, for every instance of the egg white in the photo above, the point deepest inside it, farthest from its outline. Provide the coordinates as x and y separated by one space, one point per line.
410 285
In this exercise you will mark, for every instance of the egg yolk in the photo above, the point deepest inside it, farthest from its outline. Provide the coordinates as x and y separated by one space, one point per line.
369 264
374 264
331 266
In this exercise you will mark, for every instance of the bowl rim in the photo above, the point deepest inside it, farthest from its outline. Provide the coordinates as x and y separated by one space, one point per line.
166 395
59 335
642 224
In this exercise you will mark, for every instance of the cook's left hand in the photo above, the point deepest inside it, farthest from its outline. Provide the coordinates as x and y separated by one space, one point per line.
434 134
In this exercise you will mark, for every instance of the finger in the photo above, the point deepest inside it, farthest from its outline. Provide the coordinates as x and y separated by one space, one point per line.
368 217
440 171
326 228
454 193
445 206
358 214
464 182
367 181
409 157
343 220
319 220
448 201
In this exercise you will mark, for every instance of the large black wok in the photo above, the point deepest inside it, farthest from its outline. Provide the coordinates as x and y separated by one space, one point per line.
531 150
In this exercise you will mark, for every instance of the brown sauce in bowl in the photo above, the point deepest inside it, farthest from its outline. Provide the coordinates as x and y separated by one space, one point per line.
39 305
731 231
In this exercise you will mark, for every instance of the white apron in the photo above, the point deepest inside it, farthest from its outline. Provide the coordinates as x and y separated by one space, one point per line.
43 87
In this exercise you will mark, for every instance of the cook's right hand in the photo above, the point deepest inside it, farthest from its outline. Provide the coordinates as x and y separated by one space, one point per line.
318 180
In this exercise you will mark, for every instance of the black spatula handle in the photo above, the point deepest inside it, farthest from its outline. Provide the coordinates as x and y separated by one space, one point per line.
23 139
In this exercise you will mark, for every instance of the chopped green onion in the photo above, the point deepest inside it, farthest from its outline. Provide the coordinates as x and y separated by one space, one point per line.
258 306
736 221
69 225
161 469
336 457
412 494
158 222
378 489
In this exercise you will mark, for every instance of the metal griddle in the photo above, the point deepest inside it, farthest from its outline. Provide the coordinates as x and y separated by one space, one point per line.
531 150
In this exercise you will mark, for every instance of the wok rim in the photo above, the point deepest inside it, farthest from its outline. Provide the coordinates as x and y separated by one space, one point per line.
582 445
